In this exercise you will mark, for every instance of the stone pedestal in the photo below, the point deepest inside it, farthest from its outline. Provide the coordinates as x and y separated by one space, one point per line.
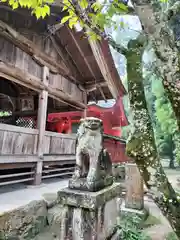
81 184
90 215
134 199
134 188
143 213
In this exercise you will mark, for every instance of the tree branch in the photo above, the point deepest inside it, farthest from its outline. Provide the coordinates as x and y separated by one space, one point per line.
118 47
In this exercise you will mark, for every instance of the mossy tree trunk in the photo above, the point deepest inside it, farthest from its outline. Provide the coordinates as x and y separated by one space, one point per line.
141 144
156 24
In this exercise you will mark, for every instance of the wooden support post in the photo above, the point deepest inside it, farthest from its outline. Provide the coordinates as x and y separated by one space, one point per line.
41 124
85 101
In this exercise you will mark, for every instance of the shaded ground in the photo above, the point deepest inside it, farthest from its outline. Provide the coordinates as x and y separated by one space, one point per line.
163 229
18 195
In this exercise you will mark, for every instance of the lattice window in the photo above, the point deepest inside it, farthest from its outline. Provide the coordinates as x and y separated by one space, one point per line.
26 122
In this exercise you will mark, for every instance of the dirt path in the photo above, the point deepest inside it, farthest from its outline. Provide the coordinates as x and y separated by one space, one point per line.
161 230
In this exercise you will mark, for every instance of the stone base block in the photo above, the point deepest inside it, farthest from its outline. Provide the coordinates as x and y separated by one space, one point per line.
81 184
130 211
90 215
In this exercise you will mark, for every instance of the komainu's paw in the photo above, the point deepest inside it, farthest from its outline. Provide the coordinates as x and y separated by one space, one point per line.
77 173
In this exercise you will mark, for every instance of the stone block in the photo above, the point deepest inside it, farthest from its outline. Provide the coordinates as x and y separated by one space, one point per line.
50 199
57 220
143 213
90 215
81 184
134 188
25 222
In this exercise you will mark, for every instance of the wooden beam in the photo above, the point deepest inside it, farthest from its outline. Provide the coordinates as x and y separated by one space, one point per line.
54 28
97 51
81 52
5 159
11 128
68 58
102 93
85 100
30 48
84 57
16 159
66 158
92 87
15 74
59 51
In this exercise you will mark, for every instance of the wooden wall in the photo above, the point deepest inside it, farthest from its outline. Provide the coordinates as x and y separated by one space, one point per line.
11 54
15 57
17 140
56 143
23 141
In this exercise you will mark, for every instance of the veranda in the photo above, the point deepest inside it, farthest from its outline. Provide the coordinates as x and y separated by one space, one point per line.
45 67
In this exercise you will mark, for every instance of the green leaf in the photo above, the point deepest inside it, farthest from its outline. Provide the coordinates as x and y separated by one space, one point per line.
96 6
46 10
122 24
15 5
38 12
73 21
49 1
65 8
83 4
66 4
93 36
122 6
11 2
65 19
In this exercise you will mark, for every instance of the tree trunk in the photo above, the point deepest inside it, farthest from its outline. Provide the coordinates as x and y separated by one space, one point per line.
171 154
141 144
156 26
171 162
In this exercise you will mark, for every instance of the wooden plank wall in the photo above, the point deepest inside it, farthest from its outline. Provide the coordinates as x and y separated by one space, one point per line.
44 44
56 143
60 83
17 140
16 57
23 141
13 55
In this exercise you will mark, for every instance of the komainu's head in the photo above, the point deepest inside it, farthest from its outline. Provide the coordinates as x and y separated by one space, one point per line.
92 123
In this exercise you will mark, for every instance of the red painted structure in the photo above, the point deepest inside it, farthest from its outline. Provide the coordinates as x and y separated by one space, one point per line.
113 119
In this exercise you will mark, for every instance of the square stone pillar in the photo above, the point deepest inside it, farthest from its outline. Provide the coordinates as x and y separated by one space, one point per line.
90 215
134 199
134 188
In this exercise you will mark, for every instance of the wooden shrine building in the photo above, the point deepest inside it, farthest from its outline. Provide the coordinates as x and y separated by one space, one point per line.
45 67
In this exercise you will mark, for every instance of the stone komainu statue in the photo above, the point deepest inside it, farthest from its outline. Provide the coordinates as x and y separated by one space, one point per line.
93 164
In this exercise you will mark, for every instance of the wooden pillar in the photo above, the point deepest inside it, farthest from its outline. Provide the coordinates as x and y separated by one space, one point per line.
85 101
41 124
134 188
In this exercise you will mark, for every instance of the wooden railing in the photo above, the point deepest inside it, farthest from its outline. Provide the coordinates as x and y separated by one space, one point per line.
19 149
17 140
22 142
56 143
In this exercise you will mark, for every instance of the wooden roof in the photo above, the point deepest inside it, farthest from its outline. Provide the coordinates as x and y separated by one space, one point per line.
75 52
